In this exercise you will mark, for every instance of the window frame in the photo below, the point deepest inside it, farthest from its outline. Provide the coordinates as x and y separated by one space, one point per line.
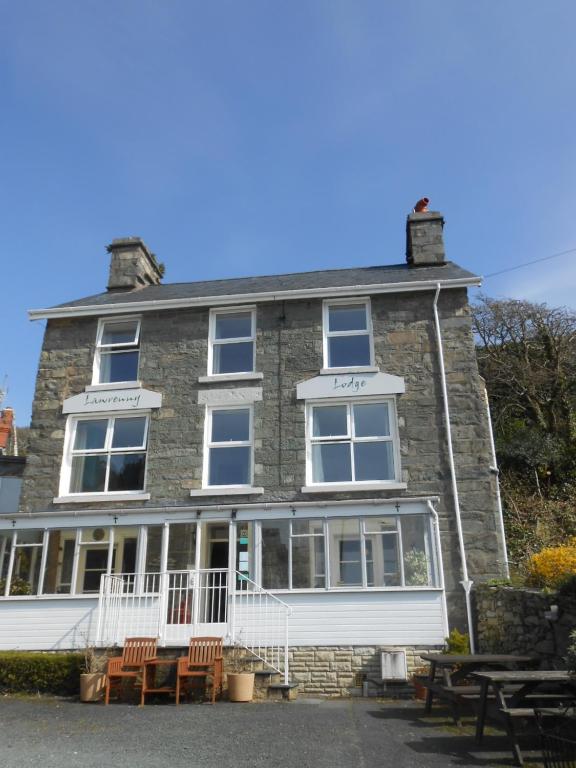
351 439
214 342
328 334
115 348
108 451
209 443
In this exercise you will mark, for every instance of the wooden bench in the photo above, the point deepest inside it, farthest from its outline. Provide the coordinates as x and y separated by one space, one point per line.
135 653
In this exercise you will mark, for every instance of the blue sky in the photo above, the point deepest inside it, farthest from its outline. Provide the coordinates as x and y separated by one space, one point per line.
264 136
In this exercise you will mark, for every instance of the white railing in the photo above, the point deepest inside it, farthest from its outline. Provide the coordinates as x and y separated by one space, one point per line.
175 605
259 622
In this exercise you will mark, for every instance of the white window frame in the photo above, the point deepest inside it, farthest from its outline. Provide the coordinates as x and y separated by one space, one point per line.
327 334
69 453
208 444
135 346
350 439
213 341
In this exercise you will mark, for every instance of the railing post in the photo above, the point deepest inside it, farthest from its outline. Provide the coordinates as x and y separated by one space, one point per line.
162 607
100 609
232 613
286 647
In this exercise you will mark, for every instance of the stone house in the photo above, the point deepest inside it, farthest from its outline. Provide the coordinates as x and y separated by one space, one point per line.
299 463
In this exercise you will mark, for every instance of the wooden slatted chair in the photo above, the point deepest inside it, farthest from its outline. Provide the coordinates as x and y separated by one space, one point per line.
204 660
136 652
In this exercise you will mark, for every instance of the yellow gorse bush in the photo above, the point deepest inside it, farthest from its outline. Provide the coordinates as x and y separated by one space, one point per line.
552 565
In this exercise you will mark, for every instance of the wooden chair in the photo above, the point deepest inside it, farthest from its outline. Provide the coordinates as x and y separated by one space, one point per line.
136 651
204 660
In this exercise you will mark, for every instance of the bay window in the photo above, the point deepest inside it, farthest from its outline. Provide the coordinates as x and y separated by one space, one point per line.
117 351
352 442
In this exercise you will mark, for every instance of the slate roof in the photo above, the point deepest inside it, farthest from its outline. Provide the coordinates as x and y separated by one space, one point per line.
332 278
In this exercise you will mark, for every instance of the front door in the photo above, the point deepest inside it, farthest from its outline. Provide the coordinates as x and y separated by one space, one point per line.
218 550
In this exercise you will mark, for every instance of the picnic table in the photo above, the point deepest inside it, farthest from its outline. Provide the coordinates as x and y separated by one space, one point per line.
556 687
454 685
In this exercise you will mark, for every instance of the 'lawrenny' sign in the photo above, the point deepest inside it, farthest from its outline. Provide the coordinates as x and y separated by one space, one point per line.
112 400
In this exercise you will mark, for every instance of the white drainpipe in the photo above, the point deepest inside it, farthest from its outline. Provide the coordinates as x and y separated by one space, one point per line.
494 469
466 582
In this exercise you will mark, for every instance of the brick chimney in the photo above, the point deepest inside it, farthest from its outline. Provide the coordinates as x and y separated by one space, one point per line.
132 265
424 240
6 428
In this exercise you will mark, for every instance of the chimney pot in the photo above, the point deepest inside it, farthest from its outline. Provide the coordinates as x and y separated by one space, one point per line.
132 265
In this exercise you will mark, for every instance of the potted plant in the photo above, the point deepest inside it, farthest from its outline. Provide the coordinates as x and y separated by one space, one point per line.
418 674
91 680
240 683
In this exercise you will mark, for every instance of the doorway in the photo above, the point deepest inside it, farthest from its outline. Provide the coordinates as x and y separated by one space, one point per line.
218 549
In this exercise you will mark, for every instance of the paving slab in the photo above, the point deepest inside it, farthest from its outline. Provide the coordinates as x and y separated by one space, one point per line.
343 733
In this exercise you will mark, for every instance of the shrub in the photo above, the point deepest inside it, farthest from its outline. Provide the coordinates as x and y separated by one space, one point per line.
552 566
18 586
457 643
568 587
57 673
571 655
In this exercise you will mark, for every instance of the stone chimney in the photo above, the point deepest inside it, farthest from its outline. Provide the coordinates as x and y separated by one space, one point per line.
6 429
132 265
424 240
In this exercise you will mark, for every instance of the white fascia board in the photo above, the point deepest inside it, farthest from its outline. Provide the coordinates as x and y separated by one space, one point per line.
243 298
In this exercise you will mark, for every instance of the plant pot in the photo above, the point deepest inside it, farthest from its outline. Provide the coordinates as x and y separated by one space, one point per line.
240 686
92 686
420 690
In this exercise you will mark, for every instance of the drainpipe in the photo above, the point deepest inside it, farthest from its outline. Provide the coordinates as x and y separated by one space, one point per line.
494 469
466 582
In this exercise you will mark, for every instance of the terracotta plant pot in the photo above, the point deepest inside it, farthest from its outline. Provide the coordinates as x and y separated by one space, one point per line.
92 686
240 686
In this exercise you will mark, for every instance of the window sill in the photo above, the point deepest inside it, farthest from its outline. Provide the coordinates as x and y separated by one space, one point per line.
115 385
238 491
351 369
80 498
353 487
230 377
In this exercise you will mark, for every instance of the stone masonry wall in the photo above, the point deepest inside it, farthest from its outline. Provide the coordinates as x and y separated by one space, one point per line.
174 346
512 620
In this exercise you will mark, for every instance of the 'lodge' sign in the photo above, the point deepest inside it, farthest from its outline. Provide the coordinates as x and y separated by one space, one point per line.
349 385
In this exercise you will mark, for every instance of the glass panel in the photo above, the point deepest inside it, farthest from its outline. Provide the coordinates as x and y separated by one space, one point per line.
5 547
26 572
230 425
330 421
233 325
380 524
233 358
415 544
374 461
121 332
90 435
127 472
307 528
182 547
154 549
308 562
344 351
118 366
30 537
347 317
129 433
244 538
229 466
371 420
95 565
345 553
94 535
331 463
385 571
275 541
88 474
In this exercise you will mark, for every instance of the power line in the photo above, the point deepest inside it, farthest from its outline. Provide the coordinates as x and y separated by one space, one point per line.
528 263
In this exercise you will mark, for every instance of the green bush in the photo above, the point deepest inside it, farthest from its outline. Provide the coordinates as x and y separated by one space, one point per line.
571 655
457 643
57 673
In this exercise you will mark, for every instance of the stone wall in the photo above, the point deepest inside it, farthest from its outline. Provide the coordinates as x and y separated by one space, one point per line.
174 347
512 620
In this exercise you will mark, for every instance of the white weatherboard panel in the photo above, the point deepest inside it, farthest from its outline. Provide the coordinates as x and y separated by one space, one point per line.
350 385
112 400
47 625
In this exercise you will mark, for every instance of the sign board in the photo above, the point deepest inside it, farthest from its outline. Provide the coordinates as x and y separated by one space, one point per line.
239 395
350 385
112 400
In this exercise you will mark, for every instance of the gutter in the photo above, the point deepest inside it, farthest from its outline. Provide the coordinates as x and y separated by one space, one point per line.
242 298
466 582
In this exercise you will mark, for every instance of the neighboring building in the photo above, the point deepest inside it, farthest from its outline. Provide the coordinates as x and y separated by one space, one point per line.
202 455
8 438
11 470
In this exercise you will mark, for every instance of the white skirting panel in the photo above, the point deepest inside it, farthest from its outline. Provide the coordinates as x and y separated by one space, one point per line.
47 625
366 618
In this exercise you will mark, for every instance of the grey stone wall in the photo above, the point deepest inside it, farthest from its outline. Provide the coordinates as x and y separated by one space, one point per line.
174 348
512 620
